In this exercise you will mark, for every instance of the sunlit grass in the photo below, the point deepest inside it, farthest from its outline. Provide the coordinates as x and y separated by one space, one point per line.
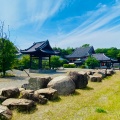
98 101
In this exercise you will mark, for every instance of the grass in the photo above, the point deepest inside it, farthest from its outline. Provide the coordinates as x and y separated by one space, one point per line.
98 101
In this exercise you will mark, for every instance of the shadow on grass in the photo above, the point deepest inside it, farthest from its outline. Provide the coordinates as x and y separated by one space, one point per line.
27 111
75 93
58 99
88 88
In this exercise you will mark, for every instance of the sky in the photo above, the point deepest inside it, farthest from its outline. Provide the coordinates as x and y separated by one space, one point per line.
65 23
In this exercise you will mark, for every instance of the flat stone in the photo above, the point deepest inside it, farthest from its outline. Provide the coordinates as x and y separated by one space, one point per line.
22 104
49 93
5 113
11 92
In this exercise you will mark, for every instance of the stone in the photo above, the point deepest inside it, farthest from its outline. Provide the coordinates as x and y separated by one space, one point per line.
63 84
25 86
49 93
2 98
36 83
21 89
95 78
110 72
11 92
29 94
101 72
40 99
80 79
5 113
22 104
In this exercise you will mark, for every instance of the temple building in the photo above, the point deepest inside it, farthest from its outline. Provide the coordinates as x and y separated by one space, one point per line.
38 51
80 54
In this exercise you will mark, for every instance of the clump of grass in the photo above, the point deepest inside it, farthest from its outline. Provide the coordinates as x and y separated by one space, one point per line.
100 110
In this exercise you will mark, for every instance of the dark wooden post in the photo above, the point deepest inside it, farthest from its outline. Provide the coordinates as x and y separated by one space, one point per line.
49 62
40 62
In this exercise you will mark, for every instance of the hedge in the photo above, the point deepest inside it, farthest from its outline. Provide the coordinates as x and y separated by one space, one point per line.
69 65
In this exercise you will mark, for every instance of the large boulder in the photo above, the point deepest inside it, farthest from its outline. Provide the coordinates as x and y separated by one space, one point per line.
11 92
49 93
29 94
36 83
22 104
5 113
63 84
80 79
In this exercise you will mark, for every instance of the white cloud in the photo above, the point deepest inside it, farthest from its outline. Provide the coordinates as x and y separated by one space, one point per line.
90 31
17 13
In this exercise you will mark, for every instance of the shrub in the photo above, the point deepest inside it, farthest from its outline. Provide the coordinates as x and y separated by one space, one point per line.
92 62
69 65
82 66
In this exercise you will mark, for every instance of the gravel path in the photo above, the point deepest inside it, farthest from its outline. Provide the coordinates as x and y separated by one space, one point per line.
22 78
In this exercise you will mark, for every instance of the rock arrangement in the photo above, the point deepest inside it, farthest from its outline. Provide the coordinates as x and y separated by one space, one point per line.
41 89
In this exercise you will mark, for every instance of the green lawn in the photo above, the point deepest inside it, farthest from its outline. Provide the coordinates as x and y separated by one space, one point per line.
99 101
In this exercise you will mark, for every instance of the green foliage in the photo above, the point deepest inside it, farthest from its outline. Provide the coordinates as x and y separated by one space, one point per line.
69 66
86 45
45 64
100 110
110 52
63 52
82 66
25 61
55 62
7 55
91 62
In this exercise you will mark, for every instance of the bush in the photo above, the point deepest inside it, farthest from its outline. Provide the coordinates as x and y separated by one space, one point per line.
69 66
92 62
82 66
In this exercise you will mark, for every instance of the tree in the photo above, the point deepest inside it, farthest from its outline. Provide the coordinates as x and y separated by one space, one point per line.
92 62
55 62
7 55
86 45
7 52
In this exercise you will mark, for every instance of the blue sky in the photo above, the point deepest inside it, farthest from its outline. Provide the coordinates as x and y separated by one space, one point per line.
65 23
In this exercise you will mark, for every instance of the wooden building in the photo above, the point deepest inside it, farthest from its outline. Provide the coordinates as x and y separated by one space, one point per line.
39 50
80 54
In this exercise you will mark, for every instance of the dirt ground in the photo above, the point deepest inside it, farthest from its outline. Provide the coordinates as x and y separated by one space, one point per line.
21 77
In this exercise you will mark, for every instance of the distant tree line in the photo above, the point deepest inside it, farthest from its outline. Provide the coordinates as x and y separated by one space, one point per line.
63 52
112 52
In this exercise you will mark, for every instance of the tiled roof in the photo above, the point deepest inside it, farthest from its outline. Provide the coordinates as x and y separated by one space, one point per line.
81 52
101 57
43 46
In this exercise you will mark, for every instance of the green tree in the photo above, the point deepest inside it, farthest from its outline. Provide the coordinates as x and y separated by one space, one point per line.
25 62
7 55
86 45
92 62
55 62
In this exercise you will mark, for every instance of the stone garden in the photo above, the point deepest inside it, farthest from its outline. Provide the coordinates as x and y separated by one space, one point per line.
39 90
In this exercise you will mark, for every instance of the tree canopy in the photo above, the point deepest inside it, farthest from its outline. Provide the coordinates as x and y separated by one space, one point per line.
110 52
7 55
91 62
86 45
